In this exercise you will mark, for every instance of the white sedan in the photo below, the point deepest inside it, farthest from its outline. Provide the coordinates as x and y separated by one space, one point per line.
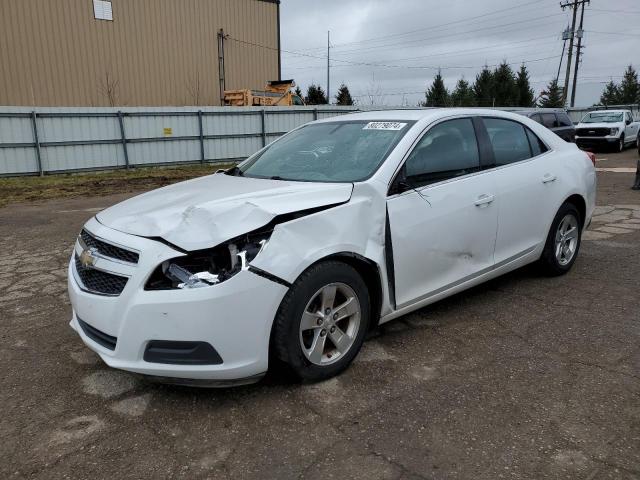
338 226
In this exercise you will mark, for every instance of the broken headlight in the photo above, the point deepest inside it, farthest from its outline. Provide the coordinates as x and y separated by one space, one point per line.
204 268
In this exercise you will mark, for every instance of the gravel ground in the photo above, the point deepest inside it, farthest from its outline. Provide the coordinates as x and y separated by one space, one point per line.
523 377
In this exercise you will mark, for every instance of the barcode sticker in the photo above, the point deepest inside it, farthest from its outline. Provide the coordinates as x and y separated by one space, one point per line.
384 126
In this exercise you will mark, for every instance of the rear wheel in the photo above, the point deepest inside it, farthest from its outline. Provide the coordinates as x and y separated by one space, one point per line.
563 241
322 321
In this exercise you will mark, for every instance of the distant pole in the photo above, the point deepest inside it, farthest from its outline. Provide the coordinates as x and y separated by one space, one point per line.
328 70
565 37
574 7
578 52
221 79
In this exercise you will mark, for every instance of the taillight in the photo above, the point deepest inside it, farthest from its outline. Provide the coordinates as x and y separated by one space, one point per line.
592 157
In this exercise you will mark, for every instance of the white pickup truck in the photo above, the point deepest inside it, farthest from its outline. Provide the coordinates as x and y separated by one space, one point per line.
607 128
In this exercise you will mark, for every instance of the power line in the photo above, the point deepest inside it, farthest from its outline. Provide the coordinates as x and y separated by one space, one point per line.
534 3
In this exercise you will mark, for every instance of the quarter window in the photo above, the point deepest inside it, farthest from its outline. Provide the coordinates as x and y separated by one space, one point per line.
508 139
448 150
537 147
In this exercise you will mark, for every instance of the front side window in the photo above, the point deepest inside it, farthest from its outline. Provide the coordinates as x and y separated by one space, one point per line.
341 151
564 120
448 150
508 139
549 120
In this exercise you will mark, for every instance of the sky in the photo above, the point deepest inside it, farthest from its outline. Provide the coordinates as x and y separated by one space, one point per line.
388 51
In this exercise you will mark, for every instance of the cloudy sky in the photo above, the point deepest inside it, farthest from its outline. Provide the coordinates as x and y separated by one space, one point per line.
387 51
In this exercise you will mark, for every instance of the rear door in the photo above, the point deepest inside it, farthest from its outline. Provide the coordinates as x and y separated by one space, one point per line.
525 176
442 213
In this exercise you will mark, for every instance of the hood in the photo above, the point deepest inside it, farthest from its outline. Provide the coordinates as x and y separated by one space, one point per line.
207 211
599 125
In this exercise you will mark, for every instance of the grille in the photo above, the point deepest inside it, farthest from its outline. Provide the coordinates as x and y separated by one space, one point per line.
107 341
100 282
107 249
593 132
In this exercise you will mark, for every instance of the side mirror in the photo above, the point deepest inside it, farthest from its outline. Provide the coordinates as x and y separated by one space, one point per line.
628 122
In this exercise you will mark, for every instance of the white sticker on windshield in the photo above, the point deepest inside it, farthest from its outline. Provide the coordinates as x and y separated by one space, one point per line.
384 126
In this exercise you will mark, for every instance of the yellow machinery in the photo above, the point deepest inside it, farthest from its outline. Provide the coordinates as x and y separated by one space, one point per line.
276 93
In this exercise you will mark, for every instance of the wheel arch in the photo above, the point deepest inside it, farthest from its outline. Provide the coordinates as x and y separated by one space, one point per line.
579 202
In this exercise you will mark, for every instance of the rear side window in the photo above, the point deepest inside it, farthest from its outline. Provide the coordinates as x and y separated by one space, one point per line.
549 120
536 118
508 139
448 150
564 120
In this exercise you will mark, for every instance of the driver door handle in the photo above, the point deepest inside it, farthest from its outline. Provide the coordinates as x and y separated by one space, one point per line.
548 178
484 199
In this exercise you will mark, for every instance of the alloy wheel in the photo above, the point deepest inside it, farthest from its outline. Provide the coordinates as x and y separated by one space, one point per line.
566 242
330 323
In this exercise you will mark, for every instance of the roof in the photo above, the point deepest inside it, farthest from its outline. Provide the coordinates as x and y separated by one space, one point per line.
419 114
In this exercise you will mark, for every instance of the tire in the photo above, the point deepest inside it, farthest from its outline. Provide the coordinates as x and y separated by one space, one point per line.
555 259
300 326
620 144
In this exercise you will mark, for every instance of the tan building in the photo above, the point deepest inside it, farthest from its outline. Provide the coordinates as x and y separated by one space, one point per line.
135 52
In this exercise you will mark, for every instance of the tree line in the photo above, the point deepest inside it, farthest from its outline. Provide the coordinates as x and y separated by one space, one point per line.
500 87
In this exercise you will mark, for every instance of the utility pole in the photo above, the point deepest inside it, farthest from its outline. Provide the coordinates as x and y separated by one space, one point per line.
565 37
328 69
579 48
221 79
574 6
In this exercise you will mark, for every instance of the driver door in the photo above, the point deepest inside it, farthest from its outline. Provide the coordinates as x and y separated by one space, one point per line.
443 218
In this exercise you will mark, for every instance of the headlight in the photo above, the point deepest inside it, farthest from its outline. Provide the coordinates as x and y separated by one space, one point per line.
204 268
614 131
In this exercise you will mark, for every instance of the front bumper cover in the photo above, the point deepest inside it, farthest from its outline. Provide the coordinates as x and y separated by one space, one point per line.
235 317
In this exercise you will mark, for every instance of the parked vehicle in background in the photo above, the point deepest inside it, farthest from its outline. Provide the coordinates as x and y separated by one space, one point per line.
614 129
555 120
334 228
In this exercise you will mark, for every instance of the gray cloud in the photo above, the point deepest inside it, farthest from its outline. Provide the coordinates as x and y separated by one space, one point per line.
413 38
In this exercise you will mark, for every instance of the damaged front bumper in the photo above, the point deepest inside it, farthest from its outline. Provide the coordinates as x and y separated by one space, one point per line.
185 327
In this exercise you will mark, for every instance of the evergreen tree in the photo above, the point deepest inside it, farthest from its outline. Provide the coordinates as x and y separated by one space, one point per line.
462 95
505 88
551 97
483 88
610 95
298 92
629 88
526 96
344 96
437 95
315 95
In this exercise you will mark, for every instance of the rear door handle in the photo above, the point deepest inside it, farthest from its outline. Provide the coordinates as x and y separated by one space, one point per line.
484 199
548 178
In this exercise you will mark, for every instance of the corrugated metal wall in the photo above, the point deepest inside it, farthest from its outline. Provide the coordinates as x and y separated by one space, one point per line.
71 139
154 52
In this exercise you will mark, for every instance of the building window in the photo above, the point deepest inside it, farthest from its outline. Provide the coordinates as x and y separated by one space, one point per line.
102 10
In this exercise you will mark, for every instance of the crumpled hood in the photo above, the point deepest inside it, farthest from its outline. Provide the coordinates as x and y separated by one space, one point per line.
591 126
204 212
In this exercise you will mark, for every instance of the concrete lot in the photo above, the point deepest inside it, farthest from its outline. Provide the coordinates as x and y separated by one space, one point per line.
524 377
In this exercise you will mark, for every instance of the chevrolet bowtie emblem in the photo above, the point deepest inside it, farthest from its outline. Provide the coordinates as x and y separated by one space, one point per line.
87 259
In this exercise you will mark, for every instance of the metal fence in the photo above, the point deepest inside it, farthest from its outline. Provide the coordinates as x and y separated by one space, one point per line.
57 140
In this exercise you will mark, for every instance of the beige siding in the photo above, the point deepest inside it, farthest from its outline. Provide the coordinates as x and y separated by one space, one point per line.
54 53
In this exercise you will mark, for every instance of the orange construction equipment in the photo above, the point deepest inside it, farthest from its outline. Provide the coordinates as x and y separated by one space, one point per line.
276 93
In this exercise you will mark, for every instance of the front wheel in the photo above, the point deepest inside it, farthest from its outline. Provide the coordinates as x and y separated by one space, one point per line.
322 321
620 147
563 241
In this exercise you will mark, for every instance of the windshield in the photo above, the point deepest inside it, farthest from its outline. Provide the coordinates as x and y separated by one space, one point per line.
602 117
347 151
